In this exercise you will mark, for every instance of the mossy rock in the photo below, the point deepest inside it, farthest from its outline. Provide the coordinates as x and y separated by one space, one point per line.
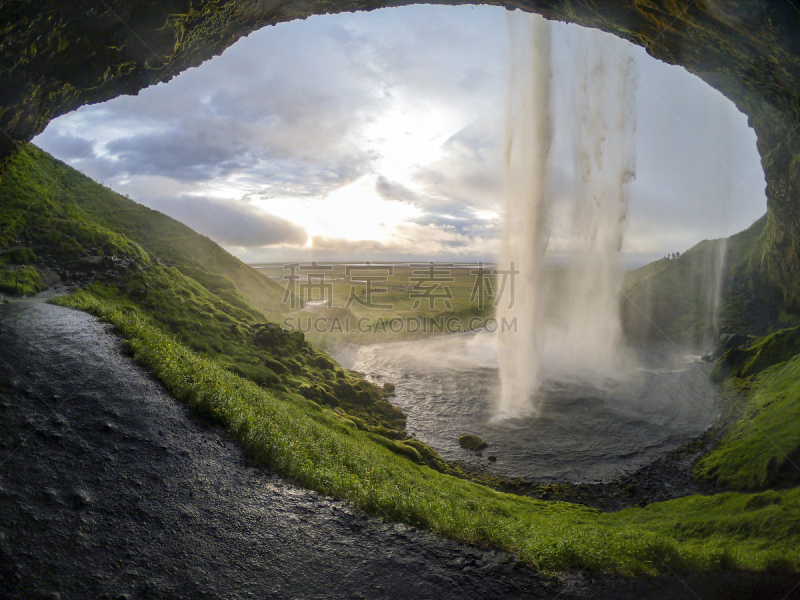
429 455
263 376
277 366
472 442
762 353
392 434
363 397
400 448
359 423
327 398
344 390
323 361
293 365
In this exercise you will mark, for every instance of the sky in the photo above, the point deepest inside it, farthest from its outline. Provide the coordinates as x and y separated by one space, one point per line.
380 136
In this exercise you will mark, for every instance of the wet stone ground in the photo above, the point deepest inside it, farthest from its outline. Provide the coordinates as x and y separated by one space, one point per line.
109 488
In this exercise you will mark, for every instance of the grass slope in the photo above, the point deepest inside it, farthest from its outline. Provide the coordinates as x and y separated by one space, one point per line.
34 174
327 452
33 207
763 448
241 341
674 299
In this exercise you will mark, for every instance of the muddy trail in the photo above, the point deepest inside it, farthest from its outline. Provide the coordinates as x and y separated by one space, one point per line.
110 488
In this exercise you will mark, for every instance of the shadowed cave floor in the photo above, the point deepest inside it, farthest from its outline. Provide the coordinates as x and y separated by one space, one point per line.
109 488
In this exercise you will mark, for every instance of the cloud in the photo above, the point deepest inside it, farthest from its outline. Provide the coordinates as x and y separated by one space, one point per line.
415 240
469 173
65 146
391 190
185 154
473 79
453 213
231 222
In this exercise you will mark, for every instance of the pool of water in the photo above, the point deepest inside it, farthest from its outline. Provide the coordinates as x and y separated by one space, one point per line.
586 428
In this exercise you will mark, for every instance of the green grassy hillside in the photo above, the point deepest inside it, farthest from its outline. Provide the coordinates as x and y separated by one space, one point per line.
35 178
762 448
674 299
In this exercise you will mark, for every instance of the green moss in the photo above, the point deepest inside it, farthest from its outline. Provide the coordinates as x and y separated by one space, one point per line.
763 448
19 256
764 352
430 456
472 442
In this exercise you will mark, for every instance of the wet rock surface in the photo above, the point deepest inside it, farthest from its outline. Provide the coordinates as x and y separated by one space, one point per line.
109 488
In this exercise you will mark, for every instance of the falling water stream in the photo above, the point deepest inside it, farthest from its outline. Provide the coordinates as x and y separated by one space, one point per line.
525 232
585 330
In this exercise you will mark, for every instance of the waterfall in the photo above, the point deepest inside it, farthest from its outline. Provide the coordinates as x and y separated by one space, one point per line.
525 234
723 186
572 330
605 162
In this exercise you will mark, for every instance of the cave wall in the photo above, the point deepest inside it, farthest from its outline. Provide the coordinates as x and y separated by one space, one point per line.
57 56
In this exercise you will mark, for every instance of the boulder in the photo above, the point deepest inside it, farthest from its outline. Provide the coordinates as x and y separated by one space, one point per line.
472 442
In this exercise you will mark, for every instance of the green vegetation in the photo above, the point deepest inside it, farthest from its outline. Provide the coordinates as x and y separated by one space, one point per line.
763 448
23 281
20 281
745 362
326 451
730 529
674 298
38 191
240 340
392 306
34 208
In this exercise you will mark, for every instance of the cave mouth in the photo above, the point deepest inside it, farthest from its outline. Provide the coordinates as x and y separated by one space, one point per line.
226 152
397 115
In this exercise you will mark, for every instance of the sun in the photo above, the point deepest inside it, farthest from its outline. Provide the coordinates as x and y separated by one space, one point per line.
355 212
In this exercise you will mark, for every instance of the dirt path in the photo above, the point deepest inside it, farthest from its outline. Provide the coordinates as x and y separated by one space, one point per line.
110 489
